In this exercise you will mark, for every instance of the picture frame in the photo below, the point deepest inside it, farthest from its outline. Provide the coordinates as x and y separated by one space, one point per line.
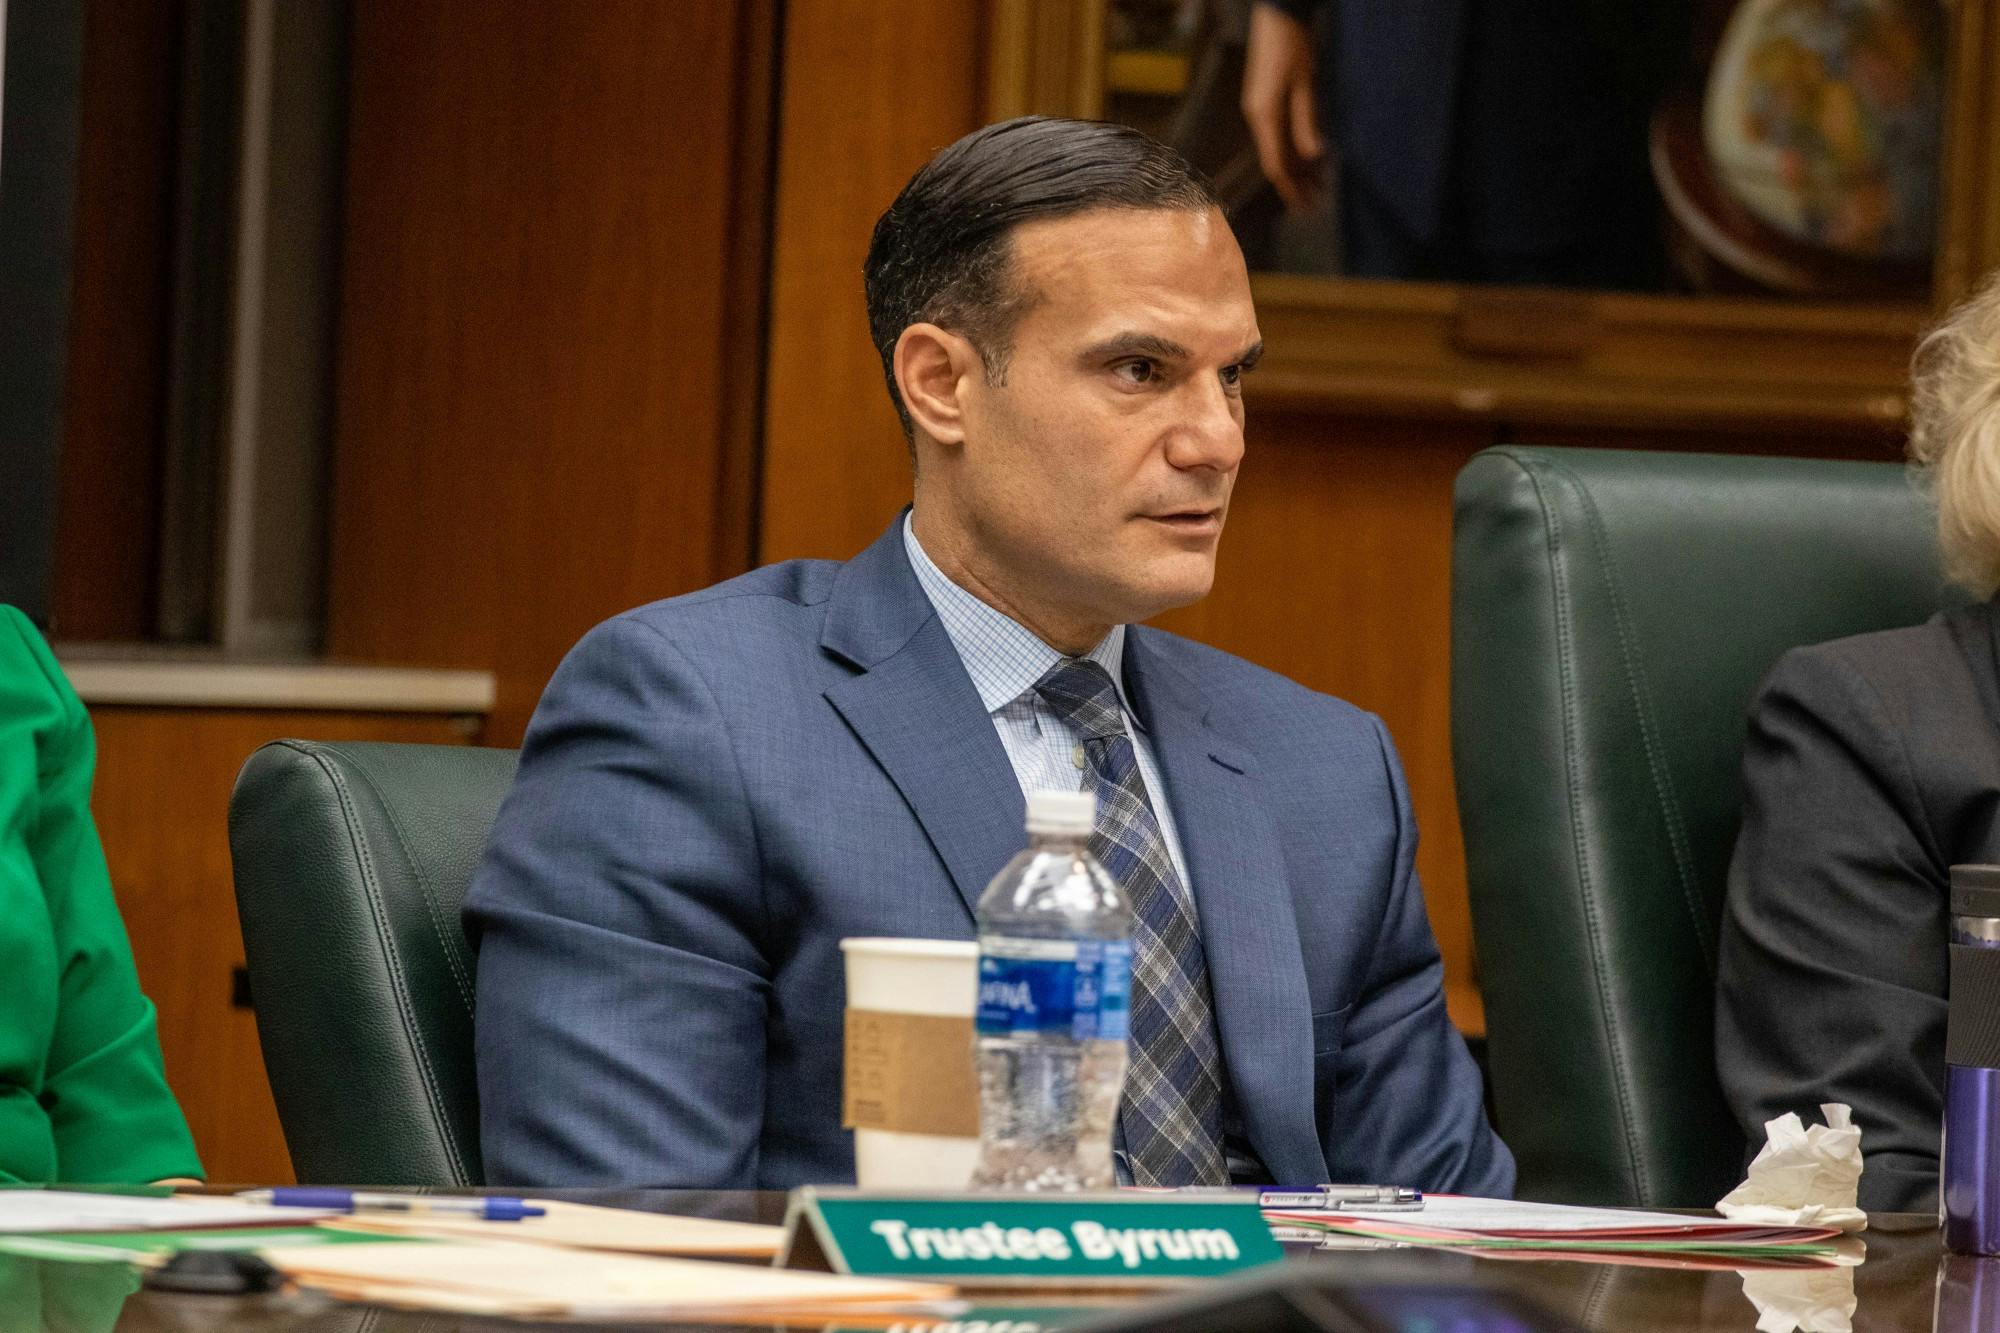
1578 357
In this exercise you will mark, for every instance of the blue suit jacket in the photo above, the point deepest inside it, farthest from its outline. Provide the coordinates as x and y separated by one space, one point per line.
717 788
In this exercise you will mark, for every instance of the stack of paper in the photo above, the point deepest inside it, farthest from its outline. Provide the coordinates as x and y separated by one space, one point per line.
36 1210
550 1281
1559 1229
582 1226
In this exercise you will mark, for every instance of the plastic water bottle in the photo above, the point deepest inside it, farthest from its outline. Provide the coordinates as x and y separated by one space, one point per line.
1055 983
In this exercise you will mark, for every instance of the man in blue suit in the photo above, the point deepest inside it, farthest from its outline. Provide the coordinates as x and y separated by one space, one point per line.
717 788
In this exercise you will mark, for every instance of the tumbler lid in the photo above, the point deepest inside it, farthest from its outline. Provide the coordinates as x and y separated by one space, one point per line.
1975 891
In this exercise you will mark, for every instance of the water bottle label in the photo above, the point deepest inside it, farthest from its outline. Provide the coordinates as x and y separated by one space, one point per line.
1109 985
1078 988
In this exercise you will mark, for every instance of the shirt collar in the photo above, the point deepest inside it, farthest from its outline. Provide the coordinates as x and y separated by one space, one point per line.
1003 656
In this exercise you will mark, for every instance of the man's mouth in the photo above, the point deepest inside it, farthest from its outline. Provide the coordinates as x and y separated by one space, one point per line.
1190 520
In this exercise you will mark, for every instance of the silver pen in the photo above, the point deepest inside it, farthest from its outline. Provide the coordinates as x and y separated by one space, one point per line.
1341 1198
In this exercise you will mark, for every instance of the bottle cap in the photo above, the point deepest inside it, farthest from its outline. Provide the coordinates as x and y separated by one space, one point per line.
1060 813
1975 891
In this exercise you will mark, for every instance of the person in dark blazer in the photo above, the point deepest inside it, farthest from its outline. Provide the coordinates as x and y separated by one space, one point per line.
1473 140
1872 767
717 788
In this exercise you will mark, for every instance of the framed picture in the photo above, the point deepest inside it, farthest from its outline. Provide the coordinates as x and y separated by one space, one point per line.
1795 187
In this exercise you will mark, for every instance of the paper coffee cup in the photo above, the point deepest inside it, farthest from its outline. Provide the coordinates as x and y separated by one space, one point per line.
911 1095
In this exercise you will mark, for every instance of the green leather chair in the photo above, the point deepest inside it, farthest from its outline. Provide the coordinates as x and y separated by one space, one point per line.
1612 615
350 861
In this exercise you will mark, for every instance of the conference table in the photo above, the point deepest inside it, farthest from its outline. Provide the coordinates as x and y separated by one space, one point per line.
1906 1282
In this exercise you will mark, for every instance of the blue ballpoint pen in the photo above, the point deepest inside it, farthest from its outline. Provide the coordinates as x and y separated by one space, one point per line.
485 1207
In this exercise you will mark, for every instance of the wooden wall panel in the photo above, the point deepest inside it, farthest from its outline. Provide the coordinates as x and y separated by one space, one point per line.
538 341
107 517
871 91
1886 447
161 802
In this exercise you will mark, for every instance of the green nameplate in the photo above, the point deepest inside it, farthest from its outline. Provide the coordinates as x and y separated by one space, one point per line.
1064 1240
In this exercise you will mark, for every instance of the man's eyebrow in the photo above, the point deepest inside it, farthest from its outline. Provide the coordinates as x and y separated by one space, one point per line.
1137 344
1133 343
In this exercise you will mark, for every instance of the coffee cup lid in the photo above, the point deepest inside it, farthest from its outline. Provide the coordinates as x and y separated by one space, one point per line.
1975 891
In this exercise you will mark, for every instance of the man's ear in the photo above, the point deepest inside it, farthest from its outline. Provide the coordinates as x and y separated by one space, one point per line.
934 369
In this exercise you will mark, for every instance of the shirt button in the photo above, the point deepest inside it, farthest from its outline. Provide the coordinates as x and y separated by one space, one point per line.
1077 756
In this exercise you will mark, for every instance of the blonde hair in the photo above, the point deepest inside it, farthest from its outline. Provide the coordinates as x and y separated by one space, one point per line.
1955 434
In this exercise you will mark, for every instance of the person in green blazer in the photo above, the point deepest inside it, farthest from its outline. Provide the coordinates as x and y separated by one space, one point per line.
83 1096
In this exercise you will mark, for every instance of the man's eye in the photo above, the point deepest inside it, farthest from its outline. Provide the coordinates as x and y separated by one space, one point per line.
1232 376
1137 372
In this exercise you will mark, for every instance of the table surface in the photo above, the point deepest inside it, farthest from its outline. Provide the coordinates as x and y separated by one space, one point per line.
1897 1287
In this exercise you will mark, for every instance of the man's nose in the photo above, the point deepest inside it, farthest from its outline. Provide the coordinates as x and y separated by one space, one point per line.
1212 435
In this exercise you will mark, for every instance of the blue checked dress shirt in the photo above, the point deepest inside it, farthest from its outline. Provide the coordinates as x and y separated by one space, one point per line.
1005 659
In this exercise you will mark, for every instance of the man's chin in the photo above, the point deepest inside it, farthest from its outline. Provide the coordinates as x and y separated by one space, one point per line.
1158 598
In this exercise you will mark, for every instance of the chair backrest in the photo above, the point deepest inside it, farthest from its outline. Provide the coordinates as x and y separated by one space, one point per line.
351 861
1612 614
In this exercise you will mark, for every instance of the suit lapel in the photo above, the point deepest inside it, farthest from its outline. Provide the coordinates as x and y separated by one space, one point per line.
1249 931
913 705
915 708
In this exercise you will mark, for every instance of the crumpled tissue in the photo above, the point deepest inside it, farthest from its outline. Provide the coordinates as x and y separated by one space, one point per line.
1803 1177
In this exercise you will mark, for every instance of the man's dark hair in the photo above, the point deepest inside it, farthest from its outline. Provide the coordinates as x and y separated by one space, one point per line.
940 255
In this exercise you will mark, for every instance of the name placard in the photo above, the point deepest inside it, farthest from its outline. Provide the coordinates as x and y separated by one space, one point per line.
1065 1240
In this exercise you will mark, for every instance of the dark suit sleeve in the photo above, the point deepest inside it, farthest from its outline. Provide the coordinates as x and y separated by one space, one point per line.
1832 966
622 985
1414 1114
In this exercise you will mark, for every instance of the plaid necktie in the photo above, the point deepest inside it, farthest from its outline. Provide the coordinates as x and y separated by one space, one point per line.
1172 1112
